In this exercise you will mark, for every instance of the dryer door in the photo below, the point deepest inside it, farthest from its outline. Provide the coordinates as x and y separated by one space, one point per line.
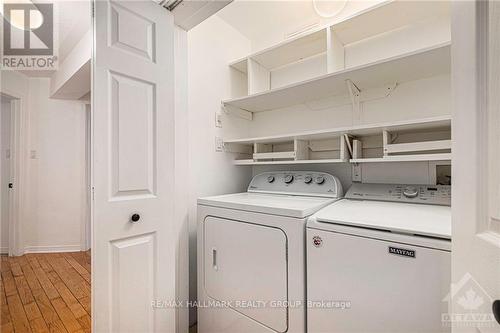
246 262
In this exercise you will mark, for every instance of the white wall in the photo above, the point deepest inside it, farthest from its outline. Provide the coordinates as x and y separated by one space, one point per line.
57 179
5 119
211 46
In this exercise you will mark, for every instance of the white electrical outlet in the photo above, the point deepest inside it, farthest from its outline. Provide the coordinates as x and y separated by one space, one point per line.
219 144
356 172
218 119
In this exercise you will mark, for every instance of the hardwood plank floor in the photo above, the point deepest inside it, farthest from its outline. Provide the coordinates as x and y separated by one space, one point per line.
47 292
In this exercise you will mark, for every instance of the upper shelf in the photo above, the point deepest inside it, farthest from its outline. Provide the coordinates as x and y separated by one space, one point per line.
411 66
387 16
289 51
384 17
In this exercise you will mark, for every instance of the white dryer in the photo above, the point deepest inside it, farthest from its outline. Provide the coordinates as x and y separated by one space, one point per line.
251 252
379 261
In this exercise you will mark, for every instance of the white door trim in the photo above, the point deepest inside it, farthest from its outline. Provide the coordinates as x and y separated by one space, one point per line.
475 240
86 234
19 170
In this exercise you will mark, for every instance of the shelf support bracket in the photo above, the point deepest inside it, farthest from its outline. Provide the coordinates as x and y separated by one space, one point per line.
355 95
233 110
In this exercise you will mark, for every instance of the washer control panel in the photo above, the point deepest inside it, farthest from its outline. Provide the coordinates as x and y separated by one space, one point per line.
424 194
309 183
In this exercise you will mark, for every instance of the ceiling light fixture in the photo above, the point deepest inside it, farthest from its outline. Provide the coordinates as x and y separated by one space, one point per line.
328 8
16 17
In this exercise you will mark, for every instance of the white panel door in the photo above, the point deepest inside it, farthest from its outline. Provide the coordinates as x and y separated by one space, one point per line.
133 167
475 290
247 262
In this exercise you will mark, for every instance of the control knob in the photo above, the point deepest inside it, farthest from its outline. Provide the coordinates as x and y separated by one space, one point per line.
410 192
288 179
270 179
320 180
308 179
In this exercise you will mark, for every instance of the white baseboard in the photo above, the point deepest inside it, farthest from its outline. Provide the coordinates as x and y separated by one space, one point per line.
52 249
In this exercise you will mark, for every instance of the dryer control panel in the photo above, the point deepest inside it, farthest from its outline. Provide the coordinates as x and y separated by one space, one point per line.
307 183
424 194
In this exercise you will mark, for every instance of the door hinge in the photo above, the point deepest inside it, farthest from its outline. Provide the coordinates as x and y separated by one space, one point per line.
11 185
93 193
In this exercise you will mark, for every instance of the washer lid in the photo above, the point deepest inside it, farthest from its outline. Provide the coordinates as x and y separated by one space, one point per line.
274 204
413 219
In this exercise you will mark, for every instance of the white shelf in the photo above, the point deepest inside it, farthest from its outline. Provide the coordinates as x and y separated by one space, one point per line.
407 125
252 162
388 16
288 51
418 146
411 126
411 66
274 155
405 158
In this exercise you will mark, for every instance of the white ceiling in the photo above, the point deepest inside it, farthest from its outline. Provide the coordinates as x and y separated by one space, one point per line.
255 19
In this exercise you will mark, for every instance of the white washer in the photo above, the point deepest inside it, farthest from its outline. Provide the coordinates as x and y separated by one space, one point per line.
251 252
379 260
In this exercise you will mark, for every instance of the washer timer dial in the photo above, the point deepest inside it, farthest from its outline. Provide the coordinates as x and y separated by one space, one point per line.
410 192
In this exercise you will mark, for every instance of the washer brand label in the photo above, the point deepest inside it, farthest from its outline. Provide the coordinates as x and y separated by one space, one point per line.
317 241
402 252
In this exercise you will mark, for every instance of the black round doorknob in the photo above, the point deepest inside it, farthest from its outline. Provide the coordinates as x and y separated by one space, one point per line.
135 217
496 310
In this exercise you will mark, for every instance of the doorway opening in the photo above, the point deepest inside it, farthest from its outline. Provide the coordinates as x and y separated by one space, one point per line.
6 172
45 210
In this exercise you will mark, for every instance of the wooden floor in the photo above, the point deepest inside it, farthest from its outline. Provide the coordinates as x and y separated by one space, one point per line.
45 293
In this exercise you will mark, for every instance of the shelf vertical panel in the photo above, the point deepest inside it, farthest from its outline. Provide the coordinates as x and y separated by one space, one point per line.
335 51
259 77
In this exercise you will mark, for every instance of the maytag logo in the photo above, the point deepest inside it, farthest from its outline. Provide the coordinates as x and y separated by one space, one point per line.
402 252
